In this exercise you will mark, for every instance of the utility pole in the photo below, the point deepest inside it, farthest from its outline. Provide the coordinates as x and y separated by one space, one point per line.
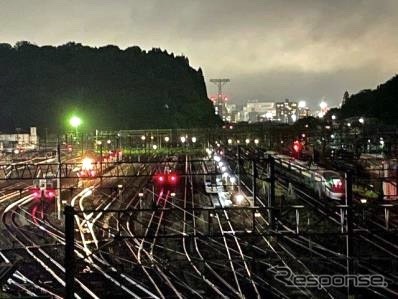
349 228
58 180
69 263
219 104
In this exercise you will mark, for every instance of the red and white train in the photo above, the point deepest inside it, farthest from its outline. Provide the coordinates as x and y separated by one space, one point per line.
324 182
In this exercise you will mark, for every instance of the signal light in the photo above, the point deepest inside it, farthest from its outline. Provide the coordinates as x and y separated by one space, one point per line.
161 179
49 193
36 192
172 178
296 146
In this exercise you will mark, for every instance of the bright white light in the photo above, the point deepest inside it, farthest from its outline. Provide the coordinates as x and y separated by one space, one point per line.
294 117
142 137
363 200
166 138
108 141
333 117
239 198
193 139
323 105
229 141
321 114
120 186
348 124
220 164
141 194
183 139
247 141
225 175
232 179
172 194
256 141
303 135
238 141
217 158
154 146
88 192
332 136
302 104
223 168
361 120
268 115
16 151
87 164
99 142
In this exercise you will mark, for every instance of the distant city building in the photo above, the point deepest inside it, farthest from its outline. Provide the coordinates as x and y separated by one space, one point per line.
287 111
303 110
260 111
256 111
19 140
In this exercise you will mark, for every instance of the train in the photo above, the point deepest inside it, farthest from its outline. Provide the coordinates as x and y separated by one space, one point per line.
92 164
44 187
323 182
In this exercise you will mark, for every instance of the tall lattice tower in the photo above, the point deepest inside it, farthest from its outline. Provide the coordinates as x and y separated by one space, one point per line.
219 103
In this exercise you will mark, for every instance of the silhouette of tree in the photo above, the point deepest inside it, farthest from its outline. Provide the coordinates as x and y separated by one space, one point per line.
107 86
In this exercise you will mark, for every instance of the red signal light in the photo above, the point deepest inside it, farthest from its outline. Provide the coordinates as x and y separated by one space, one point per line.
49 193
172 178
36 192
297 146
161 179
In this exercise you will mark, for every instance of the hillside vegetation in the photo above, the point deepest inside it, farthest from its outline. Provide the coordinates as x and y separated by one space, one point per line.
107 87
381 103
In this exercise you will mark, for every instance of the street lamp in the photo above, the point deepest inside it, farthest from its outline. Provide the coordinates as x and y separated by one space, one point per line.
256 141
167 138
183 139
75 122
193 139
247 141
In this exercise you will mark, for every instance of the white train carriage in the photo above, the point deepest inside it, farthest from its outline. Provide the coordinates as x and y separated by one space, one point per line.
324 182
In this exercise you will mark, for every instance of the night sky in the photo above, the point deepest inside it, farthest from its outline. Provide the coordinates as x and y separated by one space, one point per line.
271 50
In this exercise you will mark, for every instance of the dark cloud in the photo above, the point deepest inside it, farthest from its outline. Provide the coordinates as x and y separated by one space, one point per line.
270 49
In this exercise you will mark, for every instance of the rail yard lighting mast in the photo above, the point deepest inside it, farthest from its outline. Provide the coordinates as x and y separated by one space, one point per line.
75 122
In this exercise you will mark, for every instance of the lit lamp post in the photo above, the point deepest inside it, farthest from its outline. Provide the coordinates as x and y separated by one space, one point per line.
193 141
143 142
183 139
75 122
167 139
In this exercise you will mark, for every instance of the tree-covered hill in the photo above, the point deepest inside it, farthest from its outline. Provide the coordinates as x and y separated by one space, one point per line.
381 103
107 87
